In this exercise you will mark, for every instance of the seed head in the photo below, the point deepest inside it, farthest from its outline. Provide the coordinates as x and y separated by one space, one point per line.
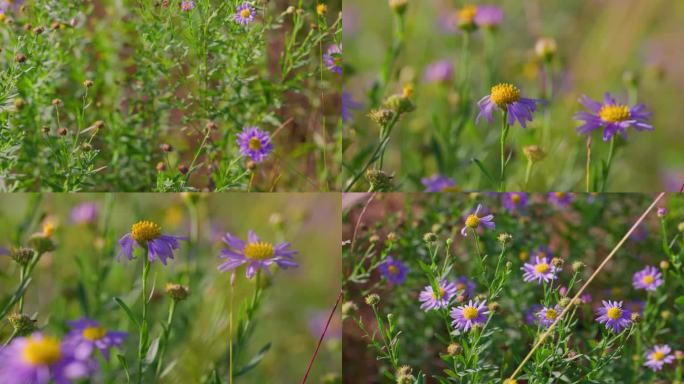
454 349
22 324
183 169
398 6
177 292
379 180
57 102
166 148
430 237
557 262
22 255
349 307
62 131
20 58
373 299
381 116
38 30
88 83
577 266
664 265
161 166
534 153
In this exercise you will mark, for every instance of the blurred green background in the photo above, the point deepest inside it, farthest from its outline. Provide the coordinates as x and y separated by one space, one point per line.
81 276
598 42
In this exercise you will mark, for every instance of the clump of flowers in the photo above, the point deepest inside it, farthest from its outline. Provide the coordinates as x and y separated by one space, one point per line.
256 254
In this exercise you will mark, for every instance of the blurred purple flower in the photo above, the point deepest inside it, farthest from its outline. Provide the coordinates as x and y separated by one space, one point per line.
39 359
85 213
488 16
658 356
438 183
87 334
561 199
348 104
441 71
333 58
393 270
648 279
514 201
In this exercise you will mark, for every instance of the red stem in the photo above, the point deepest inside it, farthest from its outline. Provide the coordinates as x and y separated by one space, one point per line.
320 341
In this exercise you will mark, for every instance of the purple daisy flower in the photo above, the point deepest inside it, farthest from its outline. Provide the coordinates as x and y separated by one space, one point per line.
648 278
465 285
612 116
245 14
333 58
85 213
466 316
585 298
439 299
531 314
39 359
187 6
658 356
87 334
506 97
543 251
547 315
438 183
514 201
255 144
441 71
473 221
614 316
349 104
542 270
488 16
561 199
256 254
393 270
636 306
147 235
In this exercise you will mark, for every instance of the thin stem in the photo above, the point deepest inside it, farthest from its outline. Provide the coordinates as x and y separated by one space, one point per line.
528 173
320 340
609 162
143 324
502 142
230 333
165 337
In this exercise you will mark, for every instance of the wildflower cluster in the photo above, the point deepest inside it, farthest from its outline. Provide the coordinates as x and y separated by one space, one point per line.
169 96
469 308
477 72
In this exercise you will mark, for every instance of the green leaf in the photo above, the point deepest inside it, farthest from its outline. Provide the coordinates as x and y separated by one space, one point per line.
124 364
255 360
483 169
680 301
128 311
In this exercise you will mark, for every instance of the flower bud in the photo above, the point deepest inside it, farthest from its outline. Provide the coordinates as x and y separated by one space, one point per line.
22 324
662 212
381 116
349 307
546 48
454 349
557 262
379 180
577 266
373 299
22 255
534 153
177 292
398 6
20 58
664 265
429 237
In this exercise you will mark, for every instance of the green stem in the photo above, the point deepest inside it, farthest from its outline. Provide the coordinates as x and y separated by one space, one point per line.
165 338
142 345
608 164
528 173
502 142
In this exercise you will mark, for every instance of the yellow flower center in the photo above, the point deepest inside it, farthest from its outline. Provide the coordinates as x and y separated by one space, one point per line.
245 13
504 94
452 188
393 269
259 251
657 355
460 286
439 294
321 9
254 144
541 268
560 195
94 333
551 314
144 231
470 313
472 221
515 198
45 351
614 313
648 279
614 113
467 14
